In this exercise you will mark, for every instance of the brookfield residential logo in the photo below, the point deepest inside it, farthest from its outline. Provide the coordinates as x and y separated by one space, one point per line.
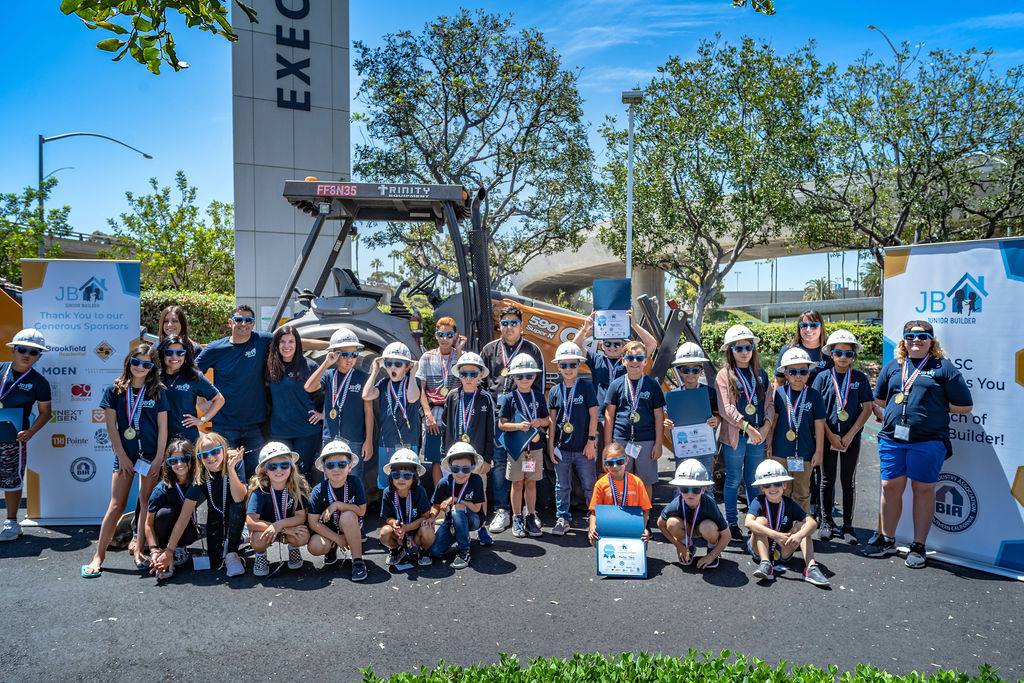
68 350
956 505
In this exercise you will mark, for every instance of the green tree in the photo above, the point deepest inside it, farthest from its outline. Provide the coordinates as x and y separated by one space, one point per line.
24 233
819 289
917 150
762 6
720 141
178 247
472 100
140 28
871 279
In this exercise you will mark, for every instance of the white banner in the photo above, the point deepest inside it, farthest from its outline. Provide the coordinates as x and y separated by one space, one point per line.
89 313
973 294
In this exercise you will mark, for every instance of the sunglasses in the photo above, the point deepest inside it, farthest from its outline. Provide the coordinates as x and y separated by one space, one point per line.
836 353
210 454
510 323
689 371
394 363
776 485
917 336
691 489
402 475
275 466
793 372
523 378
336 464
461 469
145 364
613 344
444 335
742 348
174 353
27 350
179 460
568 366
635 358
348 354
469 374
243 319
809 325
615 462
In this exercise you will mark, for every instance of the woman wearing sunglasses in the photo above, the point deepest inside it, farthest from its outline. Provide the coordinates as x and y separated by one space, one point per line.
276 509
407 529
184 386
918 390
810 335
693 515
336 508
165 507
295 414
135 409
21 388
436 377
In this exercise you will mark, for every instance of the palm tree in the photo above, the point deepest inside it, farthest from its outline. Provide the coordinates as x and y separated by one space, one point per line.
871 279
818 289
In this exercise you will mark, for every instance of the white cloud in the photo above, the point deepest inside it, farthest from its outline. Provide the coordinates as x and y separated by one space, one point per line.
994 21
615 77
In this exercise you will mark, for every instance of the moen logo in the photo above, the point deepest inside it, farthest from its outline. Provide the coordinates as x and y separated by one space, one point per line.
963 298
956 505
53 371
92 291
81 391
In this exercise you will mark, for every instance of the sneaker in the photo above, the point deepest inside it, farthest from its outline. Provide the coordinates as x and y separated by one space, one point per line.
882 547
484 537
737 532
344 555
425 560
686 563
331 557
533 525
11 530
500 522
825 531
395 557
849 535
461 560
916 558
163 576
764 571
294 558
358 570
813 575
874 538
245 535
561 526
234 564
260 565
778 568
518 527
180 556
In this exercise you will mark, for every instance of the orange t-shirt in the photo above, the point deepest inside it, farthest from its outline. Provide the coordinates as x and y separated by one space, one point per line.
636 494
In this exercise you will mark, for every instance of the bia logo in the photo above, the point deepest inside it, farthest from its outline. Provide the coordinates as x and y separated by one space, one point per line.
93 291
81 391
83 469
963 298
956 505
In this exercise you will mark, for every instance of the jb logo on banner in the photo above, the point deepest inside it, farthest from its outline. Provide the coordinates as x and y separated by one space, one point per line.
973 294
89 313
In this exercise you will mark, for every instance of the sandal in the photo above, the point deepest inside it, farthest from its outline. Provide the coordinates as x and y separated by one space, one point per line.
89 573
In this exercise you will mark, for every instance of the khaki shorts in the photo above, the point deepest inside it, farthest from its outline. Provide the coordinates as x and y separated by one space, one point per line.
514 468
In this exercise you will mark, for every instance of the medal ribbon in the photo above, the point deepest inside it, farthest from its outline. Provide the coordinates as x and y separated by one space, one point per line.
341 391
446 367
279 514
633 393
688 531
611 368
331 498
408 508
462 492
529 409
181 494
625 490
394 402
842 396
908 382
748 389
566 404
223 495
132 406
466 413
506 356
3 382
795 413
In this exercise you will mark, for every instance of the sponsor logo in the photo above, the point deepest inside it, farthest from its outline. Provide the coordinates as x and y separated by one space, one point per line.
65 415
962 300
92 291
956 505
83 469
69 350
81 392
98 416
59 371
104 351
63 440
102 438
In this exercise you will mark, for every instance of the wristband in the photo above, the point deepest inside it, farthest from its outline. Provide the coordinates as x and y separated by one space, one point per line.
592 437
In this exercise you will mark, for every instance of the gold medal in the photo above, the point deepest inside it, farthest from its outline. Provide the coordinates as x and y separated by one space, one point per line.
899 397
567 428
843 416
536 438
334 414
465 438
634 417
504 372
790 435
444 391
130 433
1 405
776 554
750 409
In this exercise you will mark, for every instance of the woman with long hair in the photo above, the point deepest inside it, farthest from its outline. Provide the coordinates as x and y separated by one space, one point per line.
294 414
174 322
184 386
810 335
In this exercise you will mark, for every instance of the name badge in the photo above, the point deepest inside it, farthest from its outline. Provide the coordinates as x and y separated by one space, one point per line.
795 464
529 466
142 467
556 453
200 562
901 432
632 450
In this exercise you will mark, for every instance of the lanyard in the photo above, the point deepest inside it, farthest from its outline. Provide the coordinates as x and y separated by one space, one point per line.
3 382
610 364
458 499
396 404
633 396
748 389
332 498
446 367
181 494
132 406
842 395
507 356
625 490
688 530
795 413
408 508
341 391
466 412
566 406
223 494
280 514
529 409
907 382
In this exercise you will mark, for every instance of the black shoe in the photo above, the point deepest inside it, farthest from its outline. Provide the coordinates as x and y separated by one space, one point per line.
849 534
874 538
461 560
331 557
825 531
358 570
737 532
917 556
883 547
395 556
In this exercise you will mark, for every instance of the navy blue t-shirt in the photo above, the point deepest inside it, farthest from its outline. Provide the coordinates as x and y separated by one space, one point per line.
238 373
474 492
420 504
938 386
397 428
792 513
262 506
583 399
706 509
290 404
813 408
819 361
147 430
757 419
215 485
24 394
510 408
651 397
350 423
164 496
320 501
181 401
860 392
602 371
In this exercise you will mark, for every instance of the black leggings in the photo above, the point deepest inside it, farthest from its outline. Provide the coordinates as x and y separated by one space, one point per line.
164 520
847 476
216 528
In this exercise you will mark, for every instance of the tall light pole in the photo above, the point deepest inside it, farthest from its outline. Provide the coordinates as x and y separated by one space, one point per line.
631 98
53 138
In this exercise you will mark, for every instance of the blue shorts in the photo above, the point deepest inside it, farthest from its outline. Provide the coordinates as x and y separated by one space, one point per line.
921 461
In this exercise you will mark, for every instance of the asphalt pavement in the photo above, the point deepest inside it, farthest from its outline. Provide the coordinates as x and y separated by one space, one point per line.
530 597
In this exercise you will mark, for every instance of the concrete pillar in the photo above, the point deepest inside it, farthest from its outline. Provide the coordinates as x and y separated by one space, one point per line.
649 281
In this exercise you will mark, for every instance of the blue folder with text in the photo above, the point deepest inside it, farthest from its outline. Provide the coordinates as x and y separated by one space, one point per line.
612 294
620 522
619 550
688 407
517 442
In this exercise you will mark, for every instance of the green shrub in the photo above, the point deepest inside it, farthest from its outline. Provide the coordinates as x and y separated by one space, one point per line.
648 667
207 313
775 335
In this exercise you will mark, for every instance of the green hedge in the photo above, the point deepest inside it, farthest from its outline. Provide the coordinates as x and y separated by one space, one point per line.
775 335
648 667
207 313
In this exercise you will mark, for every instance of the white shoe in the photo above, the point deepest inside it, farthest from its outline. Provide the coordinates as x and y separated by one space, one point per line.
234 564
10 531
502 520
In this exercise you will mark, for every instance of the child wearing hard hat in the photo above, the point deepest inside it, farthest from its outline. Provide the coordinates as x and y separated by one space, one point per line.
688 367
693 514
336 508
778 526
460 496
397 399
407 529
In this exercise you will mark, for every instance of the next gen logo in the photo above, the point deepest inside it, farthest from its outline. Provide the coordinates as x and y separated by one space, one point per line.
956 505
963 299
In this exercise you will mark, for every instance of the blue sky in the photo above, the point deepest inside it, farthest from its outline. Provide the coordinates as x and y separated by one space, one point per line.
58 82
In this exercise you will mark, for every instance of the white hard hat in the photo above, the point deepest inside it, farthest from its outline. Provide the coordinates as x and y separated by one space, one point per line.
523 364
689 353
795 356
770 472
343 337
569 351
471 358
691 473
404 456
461 449
841 337
30 337
275 449
397 351
336 447
736 333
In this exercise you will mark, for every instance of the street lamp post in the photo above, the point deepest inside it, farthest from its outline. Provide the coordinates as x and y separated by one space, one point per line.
631 98
53 138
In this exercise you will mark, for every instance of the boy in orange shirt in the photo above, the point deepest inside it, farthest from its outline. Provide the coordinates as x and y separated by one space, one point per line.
618 487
